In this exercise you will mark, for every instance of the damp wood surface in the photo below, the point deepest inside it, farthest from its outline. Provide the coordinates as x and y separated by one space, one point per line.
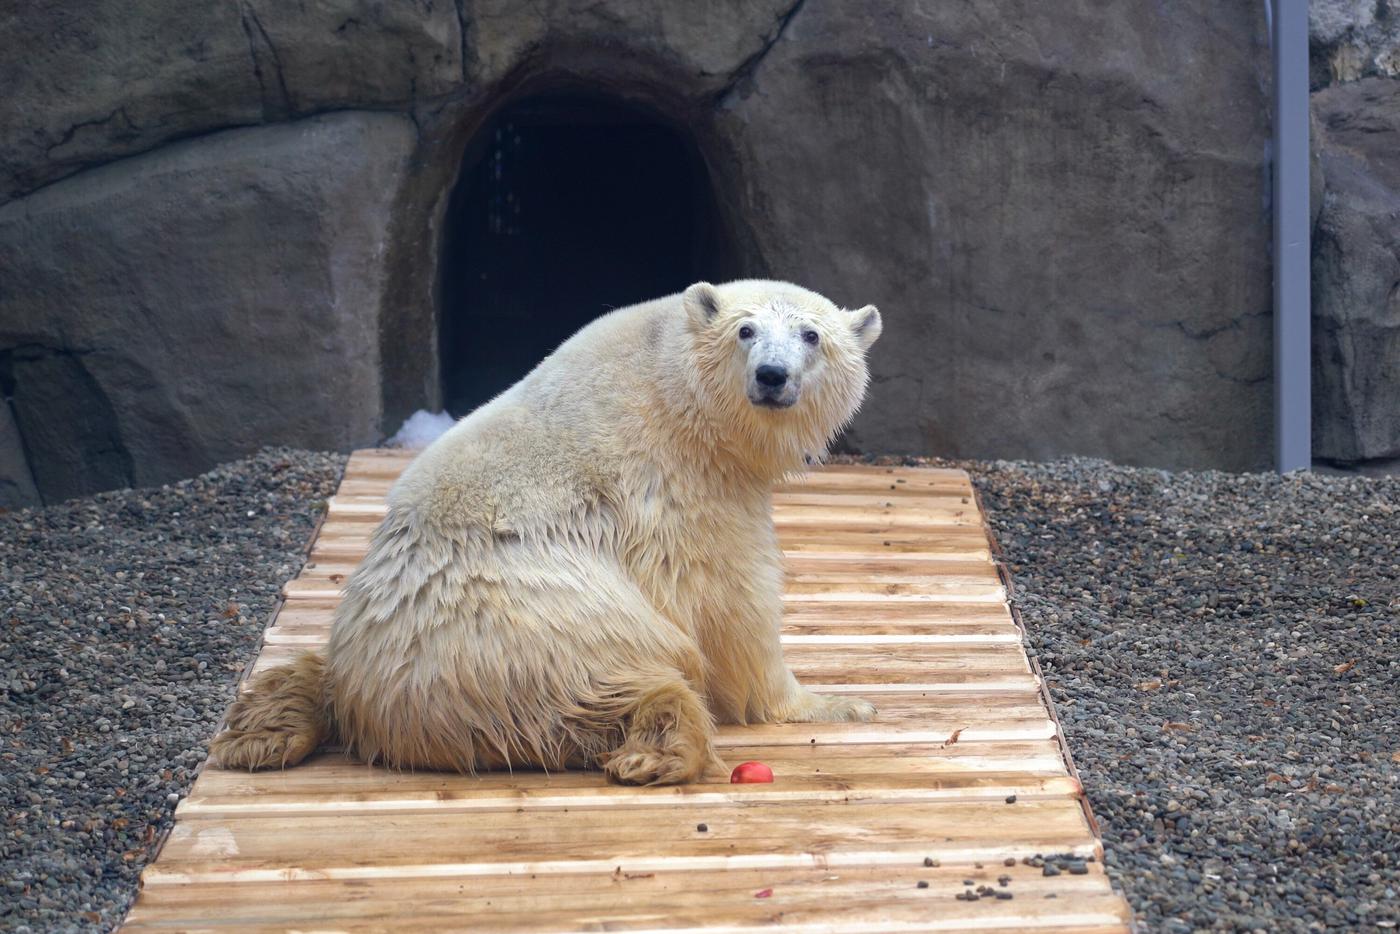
958 788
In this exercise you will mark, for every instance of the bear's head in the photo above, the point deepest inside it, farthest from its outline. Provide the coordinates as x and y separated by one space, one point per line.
786 365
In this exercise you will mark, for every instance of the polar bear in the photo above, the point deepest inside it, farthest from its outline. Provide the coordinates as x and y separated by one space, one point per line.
584 571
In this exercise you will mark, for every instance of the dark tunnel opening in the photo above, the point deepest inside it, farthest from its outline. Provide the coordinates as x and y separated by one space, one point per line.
566 207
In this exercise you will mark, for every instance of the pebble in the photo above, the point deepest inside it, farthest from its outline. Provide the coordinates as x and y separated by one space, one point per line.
1223 650
117 660
1224 653
1228 643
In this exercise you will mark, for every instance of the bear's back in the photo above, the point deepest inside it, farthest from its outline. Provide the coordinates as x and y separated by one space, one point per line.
552 442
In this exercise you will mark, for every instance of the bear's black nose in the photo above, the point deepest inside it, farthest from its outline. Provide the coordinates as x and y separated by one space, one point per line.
771 376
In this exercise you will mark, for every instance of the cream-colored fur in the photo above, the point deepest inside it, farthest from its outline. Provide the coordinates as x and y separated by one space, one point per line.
584 571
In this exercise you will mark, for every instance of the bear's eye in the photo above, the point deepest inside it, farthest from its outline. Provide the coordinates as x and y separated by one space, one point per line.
745 333
811 337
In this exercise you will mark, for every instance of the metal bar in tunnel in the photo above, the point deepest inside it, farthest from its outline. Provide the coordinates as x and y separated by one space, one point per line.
1292 239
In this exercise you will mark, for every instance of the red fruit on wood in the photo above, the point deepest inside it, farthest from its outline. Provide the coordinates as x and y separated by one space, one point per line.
750 773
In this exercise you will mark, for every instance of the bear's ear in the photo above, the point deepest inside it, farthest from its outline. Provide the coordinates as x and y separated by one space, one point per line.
866 325
701 303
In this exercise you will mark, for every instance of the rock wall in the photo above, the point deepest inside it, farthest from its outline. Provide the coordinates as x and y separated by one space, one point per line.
179 308
1356 235
219 227
1352 39
1061 214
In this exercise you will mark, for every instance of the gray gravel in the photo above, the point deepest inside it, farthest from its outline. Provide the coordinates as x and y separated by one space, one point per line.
124 622
1224 651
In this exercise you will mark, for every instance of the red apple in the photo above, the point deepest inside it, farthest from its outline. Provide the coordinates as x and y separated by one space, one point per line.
750 773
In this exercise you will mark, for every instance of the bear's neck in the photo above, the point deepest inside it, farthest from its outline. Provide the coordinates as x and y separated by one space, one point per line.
709 432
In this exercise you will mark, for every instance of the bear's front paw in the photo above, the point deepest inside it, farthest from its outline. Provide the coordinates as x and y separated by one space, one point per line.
827 708
849 708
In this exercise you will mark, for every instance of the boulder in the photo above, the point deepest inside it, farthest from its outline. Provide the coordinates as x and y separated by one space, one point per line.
66 422
624 45
1356 274
17 488
1061 217
224 223
184 307
1352 39
92 82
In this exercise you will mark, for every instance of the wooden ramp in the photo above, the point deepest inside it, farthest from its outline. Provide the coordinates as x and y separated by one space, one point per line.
960 785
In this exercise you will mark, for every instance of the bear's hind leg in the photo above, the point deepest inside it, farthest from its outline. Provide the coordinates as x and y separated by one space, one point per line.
666 728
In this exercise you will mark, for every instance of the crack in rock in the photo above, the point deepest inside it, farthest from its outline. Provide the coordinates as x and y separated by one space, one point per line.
250 23
460 6
749 66
70 133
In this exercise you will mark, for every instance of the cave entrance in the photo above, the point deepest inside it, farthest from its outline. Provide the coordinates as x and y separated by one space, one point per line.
566 207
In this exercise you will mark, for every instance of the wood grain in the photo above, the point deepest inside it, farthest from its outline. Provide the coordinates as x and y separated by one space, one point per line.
891 594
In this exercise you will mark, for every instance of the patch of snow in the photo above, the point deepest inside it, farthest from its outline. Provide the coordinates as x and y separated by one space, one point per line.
421 429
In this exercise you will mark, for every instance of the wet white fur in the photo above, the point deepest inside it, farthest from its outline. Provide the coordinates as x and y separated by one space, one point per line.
584 570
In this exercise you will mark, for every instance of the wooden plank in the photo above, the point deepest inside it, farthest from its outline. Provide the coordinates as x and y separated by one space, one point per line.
878 577
314 637
797 519
933 770
890 664
861 918
341 544
950 542
890 594
333 784
374 473
851 567
636 839
793 899
886 567
391 461
951 499
937 540
879 682
892 613
934 590
308 622
915 617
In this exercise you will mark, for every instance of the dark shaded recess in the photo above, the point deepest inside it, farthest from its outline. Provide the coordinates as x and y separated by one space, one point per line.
566 208
66 422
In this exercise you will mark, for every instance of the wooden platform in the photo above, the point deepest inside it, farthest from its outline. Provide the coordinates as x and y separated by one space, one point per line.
894 595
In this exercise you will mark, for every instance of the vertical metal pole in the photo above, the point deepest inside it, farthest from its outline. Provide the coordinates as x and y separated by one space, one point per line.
1292 240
